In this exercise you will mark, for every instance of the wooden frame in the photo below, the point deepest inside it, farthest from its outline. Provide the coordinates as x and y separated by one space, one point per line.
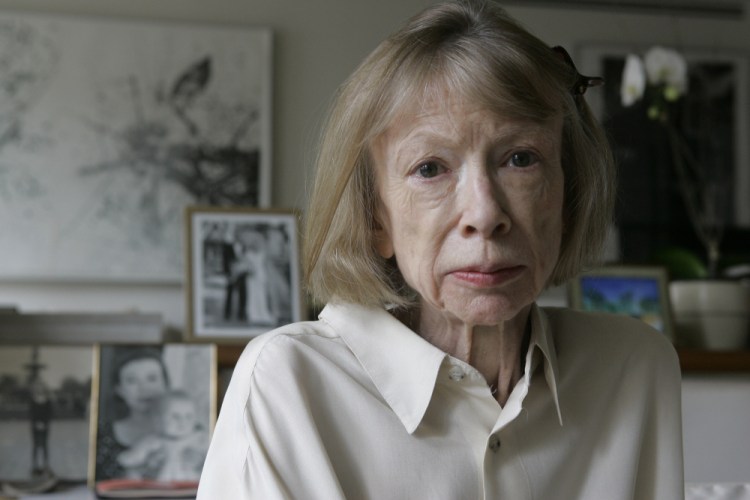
112 127
80 328
243 273
639 291
44 421
169 382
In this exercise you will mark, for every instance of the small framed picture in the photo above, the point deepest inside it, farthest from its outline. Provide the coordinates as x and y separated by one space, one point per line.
45 393
155 407
638 291
243 274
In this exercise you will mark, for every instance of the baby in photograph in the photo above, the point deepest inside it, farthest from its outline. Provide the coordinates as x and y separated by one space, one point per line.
180 445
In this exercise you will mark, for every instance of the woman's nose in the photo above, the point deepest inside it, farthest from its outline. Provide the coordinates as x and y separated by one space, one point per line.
484 206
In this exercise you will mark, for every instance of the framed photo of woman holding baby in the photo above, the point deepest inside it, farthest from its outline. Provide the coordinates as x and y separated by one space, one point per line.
242 272
155 407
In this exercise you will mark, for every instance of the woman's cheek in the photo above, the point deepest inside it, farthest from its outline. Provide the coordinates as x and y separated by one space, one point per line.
424 265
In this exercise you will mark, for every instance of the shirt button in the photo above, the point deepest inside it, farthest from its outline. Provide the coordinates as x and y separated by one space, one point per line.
494 444
456 374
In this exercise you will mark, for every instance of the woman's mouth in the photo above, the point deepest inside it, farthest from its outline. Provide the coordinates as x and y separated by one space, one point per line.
486 278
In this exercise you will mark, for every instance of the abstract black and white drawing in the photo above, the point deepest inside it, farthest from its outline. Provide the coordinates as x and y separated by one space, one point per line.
243 272
45 393
109 129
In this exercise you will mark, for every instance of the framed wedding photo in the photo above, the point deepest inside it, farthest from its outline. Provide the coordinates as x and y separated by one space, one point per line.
243 274
153 411
638 291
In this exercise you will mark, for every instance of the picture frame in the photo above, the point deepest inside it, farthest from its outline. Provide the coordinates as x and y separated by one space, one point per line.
153 411
243 275
638 291
715 122
80 328
45 396
139 119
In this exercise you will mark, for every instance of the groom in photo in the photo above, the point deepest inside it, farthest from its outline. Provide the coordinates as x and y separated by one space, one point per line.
236 273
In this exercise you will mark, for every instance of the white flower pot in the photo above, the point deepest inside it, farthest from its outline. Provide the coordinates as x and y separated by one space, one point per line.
711 314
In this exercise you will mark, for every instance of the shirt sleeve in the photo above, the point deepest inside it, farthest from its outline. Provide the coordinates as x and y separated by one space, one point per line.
660 472
236 466
265 444
621 405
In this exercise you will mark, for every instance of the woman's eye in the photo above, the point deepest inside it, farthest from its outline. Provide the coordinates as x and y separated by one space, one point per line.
522 159
429 169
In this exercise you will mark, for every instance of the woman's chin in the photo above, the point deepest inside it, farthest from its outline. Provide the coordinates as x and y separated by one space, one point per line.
488 311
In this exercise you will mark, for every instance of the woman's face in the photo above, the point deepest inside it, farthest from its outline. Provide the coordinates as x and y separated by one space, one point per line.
141 384
471 207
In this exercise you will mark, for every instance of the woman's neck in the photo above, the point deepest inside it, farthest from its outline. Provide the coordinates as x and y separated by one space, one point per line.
495 351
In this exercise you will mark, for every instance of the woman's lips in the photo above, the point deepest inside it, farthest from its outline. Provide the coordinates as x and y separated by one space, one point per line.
488 278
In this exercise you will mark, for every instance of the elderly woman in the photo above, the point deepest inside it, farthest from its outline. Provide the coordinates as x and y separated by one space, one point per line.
460 174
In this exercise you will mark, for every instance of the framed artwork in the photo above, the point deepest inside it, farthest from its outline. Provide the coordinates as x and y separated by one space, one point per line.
243 272
638 291
108 129
713 118
45 393
154 409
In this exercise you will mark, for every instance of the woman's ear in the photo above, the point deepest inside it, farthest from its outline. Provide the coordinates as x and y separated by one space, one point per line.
383 242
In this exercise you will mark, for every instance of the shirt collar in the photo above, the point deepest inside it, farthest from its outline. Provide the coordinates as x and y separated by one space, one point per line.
402 365
541 337
405 376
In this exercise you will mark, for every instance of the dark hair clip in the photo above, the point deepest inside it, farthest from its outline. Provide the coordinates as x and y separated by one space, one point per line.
582 82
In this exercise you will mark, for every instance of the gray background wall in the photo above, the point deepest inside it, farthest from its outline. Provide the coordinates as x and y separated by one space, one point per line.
316 45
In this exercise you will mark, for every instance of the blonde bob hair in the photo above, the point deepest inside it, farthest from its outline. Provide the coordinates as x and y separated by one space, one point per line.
475 51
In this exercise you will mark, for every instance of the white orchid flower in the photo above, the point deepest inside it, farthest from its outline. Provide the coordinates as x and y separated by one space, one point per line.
667 67
633 80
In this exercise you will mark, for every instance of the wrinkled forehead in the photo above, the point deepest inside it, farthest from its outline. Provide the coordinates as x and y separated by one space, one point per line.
443 102
437 114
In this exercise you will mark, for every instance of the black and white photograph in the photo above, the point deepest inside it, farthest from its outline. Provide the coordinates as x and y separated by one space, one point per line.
243 273
110 127
45 395
155 411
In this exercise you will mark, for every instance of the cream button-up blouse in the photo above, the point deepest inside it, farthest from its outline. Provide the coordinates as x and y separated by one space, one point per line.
357 406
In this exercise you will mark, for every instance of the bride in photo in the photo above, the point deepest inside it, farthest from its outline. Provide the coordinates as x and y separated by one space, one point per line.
255 255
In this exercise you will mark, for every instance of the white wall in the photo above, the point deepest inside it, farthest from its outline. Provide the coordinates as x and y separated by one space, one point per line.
716 427
318 43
